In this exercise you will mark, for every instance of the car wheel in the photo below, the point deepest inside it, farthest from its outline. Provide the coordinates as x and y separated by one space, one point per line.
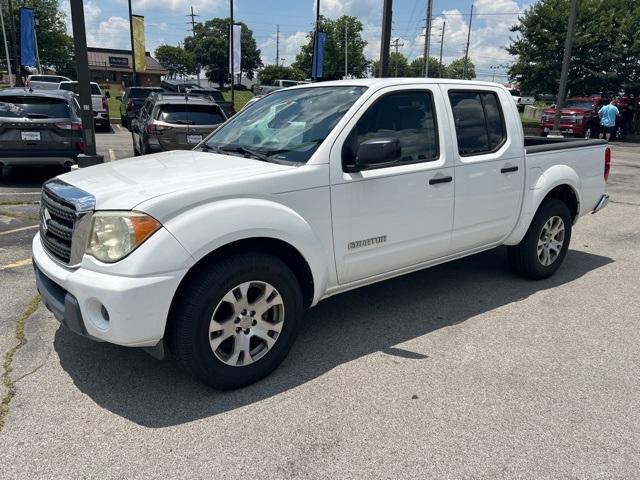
234 321
542 250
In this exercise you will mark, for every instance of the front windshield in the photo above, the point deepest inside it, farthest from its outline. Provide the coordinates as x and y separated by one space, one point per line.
579 104
288 125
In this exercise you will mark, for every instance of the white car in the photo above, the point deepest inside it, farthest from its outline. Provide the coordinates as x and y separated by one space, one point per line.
45 82
313 191
99 102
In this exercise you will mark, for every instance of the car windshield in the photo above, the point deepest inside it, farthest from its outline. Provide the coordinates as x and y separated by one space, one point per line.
73 87
579 104
36 107
288 125
191 114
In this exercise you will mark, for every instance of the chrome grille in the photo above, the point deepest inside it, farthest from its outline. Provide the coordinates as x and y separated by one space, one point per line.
63 209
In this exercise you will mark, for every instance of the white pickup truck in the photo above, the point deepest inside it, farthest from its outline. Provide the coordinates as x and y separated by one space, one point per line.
99 102
313 191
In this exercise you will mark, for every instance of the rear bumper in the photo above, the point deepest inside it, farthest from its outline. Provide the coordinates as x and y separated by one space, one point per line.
603 202
34 158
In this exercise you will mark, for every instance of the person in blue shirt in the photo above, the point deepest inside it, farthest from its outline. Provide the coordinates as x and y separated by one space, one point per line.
608 115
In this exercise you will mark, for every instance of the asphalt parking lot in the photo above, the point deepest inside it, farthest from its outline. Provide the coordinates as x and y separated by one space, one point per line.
460 371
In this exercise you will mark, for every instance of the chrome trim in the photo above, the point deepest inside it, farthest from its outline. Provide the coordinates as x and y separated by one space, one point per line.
604 201
84 204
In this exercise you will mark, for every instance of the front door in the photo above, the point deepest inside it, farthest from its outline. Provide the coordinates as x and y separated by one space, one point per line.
398 215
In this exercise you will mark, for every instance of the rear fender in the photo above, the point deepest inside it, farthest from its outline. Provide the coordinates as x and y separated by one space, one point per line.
537 191
206 228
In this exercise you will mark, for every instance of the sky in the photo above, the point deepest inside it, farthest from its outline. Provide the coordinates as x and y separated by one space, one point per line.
166 21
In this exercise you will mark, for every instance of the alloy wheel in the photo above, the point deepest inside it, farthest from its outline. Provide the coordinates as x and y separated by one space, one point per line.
551 240
246 323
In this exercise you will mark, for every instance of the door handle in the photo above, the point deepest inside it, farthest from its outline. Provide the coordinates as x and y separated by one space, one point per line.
434 181
509 169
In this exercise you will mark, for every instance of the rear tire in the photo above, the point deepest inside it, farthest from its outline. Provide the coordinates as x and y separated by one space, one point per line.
221 300
543 248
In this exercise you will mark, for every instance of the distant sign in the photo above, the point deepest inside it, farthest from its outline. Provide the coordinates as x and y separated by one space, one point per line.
119 61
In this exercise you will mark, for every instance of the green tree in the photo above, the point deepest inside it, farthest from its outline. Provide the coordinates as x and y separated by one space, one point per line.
270 73
334 52
605 51
55 47
176 60
436 69
398 66
210 49
456 70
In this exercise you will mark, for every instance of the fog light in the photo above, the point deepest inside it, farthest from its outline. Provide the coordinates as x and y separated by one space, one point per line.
104 313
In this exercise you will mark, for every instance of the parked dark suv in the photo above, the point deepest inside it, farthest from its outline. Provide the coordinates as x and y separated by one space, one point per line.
131 102
39 127
174 122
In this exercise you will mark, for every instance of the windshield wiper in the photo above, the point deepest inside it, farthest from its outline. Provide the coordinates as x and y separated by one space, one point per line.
244 150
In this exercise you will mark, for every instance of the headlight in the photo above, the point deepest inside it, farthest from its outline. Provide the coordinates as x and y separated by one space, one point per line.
114 235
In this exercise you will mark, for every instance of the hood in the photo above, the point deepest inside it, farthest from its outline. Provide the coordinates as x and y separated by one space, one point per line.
126 183
568 111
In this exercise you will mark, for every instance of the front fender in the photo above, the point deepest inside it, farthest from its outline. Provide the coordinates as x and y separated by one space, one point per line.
538 190
205 228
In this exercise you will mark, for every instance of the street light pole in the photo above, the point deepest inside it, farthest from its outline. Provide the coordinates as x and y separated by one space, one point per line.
231 51
562 89
84 88
316 45
427 39
133 54
387 13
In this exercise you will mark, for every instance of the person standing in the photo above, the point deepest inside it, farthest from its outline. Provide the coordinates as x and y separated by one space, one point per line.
608 115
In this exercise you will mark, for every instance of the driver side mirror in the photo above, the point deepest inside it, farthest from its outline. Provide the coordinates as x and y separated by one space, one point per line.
378 152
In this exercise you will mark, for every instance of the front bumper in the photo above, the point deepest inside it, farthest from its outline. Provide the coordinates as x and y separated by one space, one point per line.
571 128
110 307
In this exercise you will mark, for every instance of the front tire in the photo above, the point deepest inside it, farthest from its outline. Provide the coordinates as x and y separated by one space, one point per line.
542 250
235 320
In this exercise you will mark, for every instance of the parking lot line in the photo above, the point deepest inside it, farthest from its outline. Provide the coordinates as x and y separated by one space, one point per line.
18 264
119 127
18 230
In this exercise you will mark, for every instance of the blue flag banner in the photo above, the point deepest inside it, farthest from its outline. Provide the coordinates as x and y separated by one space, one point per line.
317 69
27 38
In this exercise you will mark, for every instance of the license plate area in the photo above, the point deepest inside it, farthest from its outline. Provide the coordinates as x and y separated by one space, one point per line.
194 139
30 136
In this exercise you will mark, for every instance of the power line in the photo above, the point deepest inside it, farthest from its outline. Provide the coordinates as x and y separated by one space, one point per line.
193 32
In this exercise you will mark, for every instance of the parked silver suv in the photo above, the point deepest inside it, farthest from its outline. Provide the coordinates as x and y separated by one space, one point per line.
174 122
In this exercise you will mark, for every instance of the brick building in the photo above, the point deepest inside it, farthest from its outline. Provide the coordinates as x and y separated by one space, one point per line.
108 65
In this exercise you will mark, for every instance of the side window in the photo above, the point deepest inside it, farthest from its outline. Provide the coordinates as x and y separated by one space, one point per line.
479 123
407 116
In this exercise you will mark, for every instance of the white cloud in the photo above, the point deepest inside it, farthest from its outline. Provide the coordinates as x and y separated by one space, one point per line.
181 6
289 48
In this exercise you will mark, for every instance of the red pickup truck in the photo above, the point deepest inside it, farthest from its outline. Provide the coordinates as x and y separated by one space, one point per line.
580 117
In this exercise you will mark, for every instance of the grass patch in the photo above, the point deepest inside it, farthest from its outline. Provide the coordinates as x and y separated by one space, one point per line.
241 98
7 366
114 105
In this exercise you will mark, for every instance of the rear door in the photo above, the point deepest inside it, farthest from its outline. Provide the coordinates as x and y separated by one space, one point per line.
31 124
489 165
183 126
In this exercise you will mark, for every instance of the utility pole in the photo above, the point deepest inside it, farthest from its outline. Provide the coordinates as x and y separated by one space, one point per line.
387 14
277 43
231 51
6 47
566 60
493 71
427 39
193 34
466 51
316 44
133 54
14 41
444 24
396 44
84 88
346 52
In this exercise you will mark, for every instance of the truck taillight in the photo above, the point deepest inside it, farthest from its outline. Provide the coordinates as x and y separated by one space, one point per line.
607 163
131 106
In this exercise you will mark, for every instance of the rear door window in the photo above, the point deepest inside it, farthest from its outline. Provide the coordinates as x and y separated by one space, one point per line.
41 107
191 114
479 123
